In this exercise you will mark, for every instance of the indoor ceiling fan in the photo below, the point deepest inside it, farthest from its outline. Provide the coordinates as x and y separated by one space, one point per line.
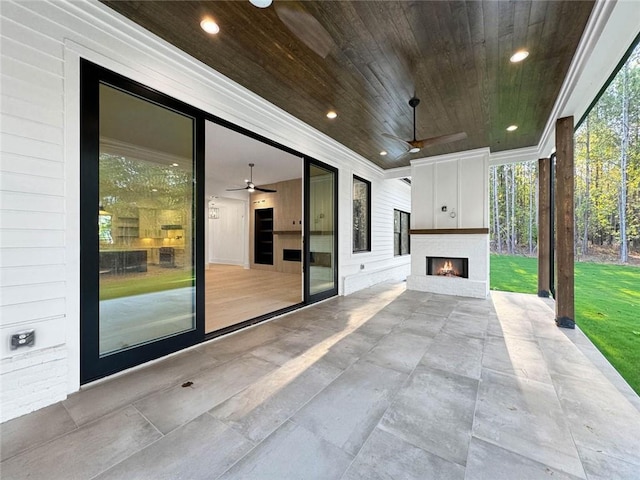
251 187
414 146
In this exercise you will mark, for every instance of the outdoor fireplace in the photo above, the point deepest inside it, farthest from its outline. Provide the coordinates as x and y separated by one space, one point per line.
448 267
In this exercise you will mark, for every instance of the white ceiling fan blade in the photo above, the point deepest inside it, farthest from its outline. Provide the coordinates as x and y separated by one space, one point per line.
402 155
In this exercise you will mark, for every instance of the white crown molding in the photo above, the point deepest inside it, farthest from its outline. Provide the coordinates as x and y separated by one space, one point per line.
514 156
399 172
467 154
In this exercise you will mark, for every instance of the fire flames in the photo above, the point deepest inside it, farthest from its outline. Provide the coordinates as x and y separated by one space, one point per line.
447 270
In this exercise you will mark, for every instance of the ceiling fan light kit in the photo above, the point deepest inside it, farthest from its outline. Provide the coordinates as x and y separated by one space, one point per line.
251 187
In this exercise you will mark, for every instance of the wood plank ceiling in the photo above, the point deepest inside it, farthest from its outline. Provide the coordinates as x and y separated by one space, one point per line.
453 55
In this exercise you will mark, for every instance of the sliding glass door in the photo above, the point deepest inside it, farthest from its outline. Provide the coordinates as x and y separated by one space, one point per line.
321 233
138 234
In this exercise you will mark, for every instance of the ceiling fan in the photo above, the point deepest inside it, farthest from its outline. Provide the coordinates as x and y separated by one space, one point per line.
414 146
251 187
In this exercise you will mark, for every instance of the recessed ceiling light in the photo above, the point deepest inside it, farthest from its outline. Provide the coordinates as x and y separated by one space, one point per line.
209 26
383 153
519 56
174 164
154 189
260 3
331 114
511 128
414 150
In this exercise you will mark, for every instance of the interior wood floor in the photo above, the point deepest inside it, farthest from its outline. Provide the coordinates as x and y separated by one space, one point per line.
234 294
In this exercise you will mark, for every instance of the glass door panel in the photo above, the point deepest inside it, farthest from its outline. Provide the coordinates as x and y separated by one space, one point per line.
321 232
141 248
146 191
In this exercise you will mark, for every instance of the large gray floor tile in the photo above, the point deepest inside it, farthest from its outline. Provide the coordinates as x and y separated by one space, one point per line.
112 394
171 408
434 411
490 462
380 325
515 356
385 457
455 353
85 452
265 405
564 358
525 417
467 325
424 324
600 466
601 418
35 429
347 349
399 350
292 452
347 410
295 343
237 344
202 449
437 307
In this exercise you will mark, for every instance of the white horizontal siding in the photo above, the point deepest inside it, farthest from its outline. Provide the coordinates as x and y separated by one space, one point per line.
27 257
17 294
32 202
37 310
31 274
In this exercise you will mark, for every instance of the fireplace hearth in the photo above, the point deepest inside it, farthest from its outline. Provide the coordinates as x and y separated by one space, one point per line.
448 267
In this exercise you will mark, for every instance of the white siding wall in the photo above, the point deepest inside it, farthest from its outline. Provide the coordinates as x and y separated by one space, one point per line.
41 46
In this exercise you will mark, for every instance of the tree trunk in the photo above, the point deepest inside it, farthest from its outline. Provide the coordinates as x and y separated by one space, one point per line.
496 210
507 205
513 209
624 253
529 171
587 195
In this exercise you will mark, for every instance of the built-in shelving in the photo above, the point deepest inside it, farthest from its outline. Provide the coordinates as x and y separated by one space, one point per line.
263 241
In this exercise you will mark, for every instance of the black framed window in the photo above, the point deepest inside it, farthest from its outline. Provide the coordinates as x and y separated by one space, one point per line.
401 241
361 215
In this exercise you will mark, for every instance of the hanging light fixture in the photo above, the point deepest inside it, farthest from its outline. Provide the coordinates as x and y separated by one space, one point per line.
261 3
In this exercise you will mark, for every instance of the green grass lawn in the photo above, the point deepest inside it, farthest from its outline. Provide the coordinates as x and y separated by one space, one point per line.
606 305
138 284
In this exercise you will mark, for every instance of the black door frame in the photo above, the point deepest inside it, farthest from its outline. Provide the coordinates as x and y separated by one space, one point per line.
308 297
92 366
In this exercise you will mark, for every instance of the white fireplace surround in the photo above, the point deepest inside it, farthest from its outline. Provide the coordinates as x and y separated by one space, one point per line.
475 247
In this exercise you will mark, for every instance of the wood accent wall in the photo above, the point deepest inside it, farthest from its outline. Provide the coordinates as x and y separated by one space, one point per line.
287 223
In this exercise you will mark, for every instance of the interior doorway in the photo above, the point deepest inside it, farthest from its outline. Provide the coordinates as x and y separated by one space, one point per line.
254 235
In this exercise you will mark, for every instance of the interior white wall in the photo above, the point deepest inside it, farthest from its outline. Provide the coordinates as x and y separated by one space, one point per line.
228 233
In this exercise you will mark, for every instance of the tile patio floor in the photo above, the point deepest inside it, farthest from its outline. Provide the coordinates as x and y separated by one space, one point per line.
382 384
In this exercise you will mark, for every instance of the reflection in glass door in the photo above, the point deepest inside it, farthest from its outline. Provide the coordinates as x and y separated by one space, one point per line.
146 193
138 236
321 231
